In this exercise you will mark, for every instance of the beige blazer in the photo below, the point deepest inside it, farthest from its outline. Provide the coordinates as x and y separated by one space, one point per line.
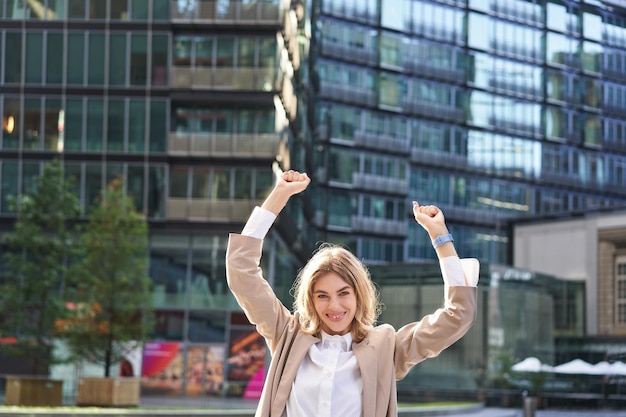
384 356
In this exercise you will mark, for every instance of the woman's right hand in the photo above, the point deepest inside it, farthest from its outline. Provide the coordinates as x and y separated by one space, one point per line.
288 184
293 182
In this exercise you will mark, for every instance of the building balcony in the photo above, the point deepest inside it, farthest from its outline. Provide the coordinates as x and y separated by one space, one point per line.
200 209
381 142
233 12
479 215
350 53
222 145
435 110
614 73
347 93
437 32
228 78
515 125
359 14
521 51
378 226
521 11
612 108
515 87
439 159
380 184
420 68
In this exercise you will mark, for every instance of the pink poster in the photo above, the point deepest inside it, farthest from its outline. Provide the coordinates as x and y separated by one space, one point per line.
162 368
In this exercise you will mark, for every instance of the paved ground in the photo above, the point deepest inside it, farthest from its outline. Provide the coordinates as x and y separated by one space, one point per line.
507 412
233 407
466 412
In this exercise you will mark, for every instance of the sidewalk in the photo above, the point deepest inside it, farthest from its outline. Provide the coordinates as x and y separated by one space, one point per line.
217 406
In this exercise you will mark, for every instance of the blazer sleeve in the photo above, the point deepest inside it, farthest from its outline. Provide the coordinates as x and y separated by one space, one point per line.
253 293
435 332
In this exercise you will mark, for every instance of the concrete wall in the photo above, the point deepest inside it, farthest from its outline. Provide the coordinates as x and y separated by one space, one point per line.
581 249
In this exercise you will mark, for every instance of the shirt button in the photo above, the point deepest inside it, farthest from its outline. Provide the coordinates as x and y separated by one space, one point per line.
329 374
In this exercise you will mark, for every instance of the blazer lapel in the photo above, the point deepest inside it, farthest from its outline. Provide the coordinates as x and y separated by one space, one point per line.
298 350
366 357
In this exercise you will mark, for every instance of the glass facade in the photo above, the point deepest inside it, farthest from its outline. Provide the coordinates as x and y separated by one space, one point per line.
508 110
510 304
192 112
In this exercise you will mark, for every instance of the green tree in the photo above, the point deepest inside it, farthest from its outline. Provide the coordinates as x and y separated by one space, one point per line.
37 279
113 312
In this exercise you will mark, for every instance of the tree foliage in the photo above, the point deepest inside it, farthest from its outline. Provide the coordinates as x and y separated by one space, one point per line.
113 309
37 278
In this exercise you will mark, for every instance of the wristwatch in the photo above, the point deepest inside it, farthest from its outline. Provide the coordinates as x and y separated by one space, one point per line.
440 240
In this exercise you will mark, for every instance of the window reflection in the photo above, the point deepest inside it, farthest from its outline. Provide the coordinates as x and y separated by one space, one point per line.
561 50
592 26
208 286
504 154
168 266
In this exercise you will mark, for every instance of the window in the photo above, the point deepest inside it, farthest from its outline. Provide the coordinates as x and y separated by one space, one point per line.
96 62
93 183
160 52
158 125
178 181
75 60
117 59
116 125
138 60
620 290
200 183
136 125
119 9
73 136
34 57
32 123
54 58
11 123
52 117
95 129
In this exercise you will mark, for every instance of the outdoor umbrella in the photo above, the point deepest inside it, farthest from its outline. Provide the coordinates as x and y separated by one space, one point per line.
531 364
577 366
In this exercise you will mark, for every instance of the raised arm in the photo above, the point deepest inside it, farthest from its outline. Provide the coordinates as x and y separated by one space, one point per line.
243 256
435 332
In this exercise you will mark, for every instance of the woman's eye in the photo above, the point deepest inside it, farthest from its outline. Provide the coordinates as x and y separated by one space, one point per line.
344 293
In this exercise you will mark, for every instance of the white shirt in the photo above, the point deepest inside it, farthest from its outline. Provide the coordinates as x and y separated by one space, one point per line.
328 382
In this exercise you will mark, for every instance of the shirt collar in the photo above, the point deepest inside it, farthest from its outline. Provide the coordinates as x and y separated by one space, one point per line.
339 342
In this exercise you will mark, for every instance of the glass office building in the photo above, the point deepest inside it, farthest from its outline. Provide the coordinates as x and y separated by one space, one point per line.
192 102
493 110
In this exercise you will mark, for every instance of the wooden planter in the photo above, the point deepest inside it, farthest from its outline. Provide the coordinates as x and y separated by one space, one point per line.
117 391
33 391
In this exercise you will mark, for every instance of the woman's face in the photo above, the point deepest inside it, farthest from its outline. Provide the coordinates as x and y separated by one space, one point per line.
335 303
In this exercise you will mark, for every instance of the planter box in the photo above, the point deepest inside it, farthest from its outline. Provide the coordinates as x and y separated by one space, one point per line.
33 391
108 391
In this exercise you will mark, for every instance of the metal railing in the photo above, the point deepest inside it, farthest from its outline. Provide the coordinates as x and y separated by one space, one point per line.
214 11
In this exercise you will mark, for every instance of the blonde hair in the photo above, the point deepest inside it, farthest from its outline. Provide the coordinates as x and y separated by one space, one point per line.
333 258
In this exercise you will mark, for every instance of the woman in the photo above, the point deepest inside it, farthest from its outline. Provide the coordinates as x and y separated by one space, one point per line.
329 358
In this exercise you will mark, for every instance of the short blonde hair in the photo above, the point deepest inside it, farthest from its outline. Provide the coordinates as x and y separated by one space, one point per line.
333 258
